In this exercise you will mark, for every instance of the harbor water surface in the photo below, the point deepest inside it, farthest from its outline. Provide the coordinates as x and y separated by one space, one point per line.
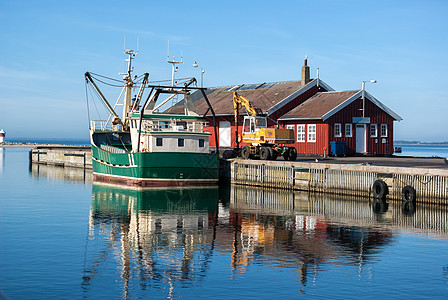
64 237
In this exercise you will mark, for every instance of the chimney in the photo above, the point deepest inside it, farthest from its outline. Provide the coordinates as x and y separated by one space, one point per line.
305 72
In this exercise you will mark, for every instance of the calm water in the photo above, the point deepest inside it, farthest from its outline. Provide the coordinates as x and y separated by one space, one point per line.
64 237
423 150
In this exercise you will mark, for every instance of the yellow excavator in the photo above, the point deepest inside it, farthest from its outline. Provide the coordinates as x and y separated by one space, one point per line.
266 143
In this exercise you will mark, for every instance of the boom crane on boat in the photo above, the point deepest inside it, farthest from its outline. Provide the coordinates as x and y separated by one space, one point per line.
129 103
116 119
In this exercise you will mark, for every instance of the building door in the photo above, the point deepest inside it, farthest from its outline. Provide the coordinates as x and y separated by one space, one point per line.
224 134
361 138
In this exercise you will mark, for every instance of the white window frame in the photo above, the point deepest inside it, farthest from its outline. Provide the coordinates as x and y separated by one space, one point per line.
312 133
337 130
301 133
375 133
348 130
291 126
383 126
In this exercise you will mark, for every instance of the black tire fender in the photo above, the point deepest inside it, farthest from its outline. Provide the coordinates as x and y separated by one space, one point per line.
380 189
408 194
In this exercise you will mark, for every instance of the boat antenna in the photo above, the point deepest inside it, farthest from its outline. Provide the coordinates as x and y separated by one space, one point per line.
132 55
173 63
168 53
129 83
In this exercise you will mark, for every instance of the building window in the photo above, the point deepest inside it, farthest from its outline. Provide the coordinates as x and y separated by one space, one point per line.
180 142
301 133
337 130
312 133
348 130
373 131
383 130
159 142
201 143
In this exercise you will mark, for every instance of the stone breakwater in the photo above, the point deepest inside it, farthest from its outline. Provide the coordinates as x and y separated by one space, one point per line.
31 145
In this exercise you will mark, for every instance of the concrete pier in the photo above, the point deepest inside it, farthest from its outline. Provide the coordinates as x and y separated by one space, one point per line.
65 156
431 184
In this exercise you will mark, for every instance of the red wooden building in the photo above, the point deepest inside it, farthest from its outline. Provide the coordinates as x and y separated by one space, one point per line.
338 117
317 114
274 99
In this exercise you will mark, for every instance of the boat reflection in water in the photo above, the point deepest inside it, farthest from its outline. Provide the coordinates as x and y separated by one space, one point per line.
159 236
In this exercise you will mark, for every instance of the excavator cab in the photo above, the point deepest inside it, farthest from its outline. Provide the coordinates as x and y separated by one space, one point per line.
251 124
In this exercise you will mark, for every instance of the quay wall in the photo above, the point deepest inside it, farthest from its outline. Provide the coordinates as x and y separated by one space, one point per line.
65 156
431 185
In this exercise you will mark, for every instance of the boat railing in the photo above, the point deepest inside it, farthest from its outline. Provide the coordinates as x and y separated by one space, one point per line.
103 125
195 127
112 149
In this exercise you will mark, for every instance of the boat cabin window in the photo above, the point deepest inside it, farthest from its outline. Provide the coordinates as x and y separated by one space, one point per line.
159 142
180 142
201 143
164 124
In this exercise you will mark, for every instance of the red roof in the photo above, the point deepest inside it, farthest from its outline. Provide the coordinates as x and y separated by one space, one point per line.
319 105
324 105
263 96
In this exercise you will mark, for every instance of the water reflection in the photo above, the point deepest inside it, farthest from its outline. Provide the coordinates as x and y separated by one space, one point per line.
67 174
160 237
2 159
162 241
303 231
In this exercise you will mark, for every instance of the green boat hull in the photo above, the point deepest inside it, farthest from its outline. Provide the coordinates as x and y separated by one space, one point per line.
155 168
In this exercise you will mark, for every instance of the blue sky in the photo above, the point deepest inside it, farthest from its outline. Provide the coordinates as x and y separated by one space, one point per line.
47 46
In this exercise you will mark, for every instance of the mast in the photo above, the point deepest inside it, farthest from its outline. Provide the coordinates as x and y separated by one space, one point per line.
174 69
129 83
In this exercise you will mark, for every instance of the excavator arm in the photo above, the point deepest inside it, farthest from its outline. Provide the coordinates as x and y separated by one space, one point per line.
247 104
250 109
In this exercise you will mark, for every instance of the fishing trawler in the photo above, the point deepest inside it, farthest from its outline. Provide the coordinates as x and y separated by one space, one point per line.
143 147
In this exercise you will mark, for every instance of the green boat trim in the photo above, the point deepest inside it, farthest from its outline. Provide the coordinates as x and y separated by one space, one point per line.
159 179
167 166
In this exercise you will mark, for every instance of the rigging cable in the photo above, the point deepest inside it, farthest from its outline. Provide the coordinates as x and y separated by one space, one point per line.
109 84
110 78
87 98
96 108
